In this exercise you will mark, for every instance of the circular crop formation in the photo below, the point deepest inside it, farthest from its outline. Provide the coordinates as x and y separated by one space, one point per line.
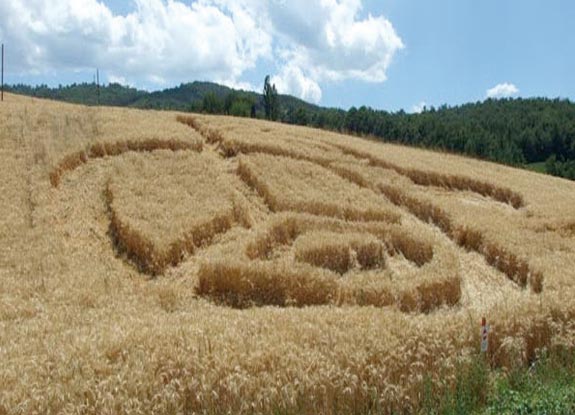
326 226
301 259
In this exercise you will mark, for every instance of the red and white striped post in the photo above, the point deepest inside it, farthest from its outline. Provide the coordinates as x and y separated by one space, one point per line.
484 335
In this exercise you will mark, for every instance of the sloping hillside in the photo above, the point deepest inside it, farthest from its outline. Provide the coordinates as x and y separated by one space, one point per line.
535 133
162 262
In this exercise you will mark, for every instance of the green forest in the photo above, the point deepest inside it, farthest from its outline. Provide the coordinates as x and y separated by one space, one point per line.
535 133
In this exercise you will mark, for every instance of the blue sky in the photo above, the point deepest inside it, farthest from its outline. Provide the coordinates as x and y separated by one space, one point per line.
390 54
455 50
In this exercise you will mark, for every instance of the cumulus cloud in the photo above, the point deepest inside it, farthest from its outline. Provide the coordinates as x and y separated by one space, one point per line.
503 90
327 41
160 42
169 41
292 80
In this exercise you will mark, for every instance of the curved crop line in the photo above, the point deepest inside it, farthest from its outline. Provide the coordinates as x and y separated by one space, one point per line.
342 256
515 269
101 150
420 177
141 250
446 181
260 281
251 179
153 260
212 136
285 232
231 148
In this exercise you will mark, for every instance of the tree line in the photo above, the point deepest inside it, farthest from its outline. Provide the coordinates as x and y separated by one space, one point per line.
537 133
242 104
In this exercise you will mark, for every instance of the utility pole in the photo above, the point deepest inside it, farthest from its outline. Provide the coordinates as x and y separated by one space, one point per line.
2 82
98 84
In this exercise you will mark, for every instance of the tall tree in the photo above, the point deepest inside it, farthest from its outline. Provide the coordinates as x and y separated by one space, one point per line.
271 102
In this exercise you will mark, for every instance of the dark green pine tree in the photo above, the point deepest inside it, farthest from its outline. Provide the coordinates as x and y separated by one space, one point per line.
271 101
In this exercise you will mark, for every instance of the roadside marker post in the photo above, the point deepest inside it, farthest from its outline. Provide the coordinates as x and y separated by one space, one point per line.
484 335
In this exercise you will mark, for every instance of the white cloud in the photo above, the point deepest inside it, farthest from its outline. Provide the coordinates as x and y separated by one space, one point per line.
291 80
417 108
503 90
328 41
169 41
160 42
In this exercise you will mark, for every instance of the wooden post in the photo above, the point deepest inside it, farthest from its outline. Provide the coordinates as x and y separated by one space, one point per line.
2 82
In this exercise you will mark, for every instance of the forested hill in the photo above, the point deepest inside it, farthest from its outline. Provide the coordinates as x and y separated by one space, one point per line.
85 93
194 96
538 133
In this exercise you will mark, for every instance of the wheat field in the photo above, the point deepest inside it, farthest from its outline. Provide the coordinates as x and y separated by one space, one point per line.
155 262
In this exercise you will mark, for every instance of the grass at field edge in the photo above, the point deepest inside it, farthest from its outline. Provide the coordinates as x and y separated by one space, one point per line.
546 387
